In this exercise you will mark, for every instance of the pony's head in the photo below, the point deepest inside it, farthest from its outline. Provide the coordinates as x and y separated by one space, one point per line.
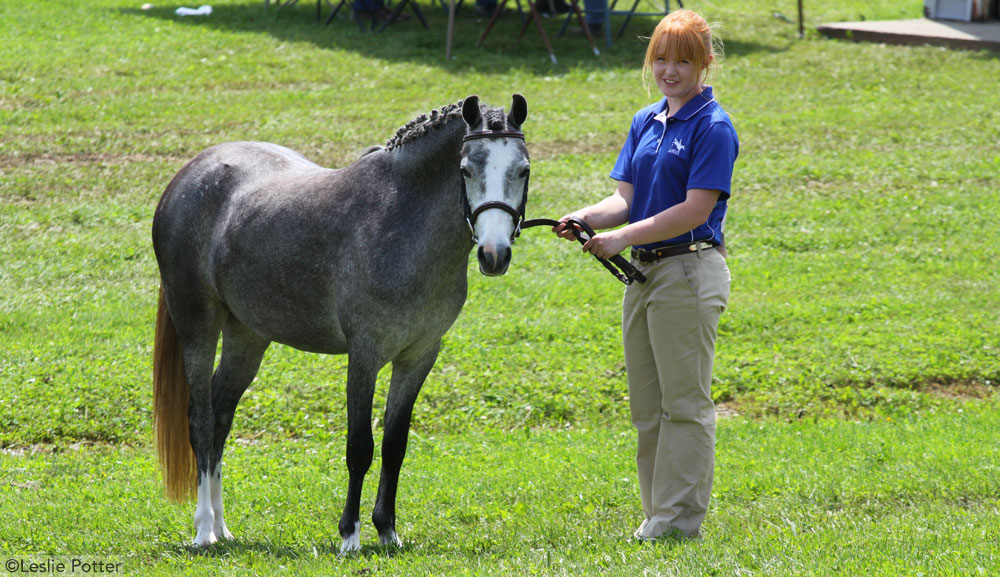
495 172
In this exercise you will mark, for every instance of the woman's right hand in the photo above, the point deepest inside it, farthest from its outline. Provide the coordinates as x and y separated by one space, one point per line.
565 229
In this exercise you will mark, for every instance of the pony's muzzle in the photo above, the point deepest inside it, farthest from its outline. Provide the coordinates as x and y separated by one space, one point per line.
493 259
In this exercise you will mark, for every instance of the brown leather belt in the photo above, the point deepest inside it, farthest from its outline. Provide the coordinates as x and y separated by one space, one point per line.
648 256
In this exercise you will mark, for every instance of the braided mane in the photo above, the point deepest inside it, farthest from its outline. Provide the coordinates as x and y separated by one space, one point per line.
495 119
420 125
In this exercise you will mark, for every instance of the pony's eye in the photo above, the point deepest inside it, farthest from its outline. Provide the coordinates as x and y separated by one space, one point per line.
524 173
465 172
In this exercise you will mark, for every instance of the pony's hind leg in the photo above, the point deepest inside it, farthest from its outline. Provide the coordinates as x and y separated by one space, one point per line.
242 352
407 378
199 357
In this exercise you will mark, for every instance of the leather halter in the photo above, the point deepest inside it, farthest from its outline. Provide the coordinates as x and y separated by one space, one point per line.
471 215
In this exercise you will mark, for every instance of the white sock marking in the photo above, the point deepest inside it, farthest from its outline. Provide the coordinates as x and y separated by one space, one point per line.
352 542
391 539
221 531
204 516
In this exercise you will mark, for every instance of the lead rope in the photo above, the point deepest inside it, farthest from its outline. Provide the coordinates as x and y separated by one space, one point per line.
616 265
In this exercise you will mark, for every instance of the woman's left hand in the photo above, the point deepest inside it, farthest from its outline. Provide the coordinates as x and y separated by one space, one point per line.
606 244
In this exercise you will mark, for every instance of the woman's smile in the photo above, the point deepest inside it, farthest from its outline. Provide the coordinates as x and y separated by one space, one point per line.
678 80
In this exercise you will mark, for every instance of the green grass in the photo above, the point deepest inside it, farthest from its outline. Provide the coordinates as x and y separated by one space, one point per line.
836 498
863 317
860 228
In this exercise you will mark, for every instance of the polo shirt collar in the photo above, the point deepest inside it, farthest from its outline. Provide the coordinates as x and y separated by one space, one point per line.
693 106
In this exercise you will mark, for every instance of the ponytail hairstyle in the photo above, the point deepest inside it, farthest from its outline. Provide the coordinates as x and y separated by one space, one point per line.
682 35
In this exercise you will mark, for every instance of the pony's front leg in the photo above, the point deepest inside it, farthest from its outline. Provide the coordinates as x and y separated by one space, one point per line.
407 378
361 374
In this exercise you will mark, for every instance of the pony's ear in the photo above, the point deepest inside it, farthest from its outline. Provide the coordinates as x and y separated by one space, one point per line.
518 110
470 110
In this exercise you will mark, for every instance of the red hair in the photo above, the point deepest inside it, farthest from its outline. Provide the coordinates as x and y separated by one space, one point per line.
680 35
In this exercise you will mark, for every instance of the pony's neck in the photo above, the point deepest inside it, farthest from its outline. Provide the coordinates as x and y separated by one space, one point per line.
428 188
433 156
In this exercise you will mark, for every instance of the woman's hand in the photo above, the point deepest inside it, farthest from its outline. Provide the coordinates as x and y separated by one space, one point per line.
608 213
564 229
606 244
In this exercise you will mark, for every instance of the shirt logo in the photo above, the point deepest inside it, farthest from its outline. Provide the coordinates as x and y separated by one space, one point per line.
677 147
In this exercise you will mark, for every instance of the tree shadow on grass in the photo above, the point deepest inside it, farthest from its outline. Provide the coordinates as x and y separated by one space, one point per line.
408 41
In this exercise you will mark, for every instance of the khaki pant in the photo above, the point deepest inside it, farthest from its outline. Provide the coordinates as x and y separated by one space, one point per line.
669 325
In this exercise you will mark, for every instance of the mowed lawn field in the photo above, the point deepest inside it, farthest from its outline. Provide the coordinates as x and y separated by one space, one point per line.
857 364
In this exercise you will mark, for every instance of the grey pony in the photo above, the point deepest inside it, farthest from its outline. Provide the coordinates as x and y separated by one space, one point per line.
258 243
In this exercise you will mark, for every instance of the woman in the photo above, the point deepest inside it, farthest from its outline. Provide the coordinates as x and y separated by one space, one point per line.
674 174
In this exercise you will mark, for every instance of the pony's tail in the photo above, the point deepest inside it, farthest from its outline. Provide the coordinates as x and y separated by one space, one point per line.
170 410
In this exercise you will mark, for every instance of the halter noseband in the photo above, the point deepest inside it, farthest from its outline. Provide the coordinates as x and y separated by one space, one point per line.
472 215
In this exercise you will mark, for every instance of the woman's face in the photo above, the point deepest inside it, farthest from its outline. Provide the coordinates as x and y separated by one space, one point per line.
677 78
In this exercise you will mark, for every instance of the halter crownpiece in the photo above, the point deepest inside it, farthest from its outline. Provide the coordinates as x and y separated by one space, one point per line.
493 134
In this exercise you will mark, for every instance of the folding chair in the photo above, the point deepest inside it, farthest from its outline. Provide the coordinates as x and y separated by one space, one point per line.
336 9
451 7
575 9
399 9
334 13
632 12
393 16
536 17
282 4
610 11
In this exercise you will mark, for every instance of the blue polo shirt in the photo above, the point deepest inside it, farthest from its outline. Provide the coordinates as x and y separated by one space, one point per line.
663 158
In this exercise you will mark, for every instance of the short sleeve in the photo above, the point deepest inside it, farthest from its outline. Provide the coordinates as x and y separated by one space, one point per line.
713 156
622 170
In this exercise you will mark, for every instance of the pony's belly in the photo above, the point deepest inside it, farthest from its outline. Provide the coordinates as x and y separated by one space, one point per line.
322 346
315 331
317 342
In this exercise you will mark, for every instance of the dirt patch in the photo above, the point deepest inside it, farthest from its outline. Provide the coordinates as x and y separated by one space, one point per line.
966 390
726 410
84 158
